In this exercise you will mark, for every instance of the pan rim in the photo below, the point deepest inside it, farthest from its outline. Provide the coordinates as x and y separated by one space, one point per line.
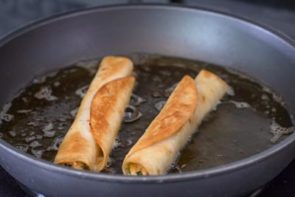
199 174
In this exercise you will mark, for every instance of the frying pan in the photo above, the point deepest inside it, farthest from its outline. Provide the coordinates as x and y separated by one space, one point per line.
153 29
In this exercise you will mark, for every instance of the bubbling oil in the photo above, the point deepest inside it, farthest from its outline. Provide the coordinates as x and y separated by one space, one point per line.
245 122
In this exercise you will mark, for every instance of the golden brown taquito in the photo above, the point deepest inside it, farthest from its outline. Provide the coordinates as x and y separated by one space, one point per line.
158 148
90 139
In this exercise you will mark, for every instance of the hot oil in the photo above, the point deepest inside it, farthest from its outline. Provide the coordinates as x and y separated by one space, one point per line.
42 112
245 123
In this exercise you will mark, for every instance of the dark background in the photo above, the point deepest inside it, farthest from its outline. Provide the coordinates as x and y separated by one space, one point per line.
278 15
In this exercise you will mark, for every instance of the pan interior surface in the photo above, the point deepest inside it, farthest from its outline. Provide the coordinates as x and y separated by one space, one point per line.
190 33
244 123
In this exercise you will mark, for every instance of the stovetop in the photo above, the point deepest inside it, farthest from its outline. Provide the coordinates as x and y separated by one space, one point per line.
278 15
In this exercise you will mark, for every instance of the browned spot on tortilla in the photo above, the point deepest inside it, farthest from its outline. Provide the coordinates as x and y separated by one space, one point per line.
176 112
103 104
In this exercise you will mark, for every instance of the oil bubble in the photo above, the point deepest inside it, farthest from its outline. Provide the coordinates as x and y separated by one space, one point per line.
169 90
35 144
74 112
37 153
55 144
156 94
56 84
82 91
45 93
12 133
278 131
132 114
29 139
240 105
48 127
129 142
165 73
49 134
4 116
34 124
159 105
23 111
22 147
137 100
117 144
230 91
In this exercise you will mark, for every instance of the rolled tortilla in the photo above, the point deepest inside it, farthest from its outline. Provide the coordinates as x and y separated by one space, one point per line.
157 149
90 139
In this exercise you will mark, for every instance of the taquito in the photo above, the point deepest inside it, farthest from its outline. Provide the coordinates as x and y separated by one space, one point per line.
161 143
90 139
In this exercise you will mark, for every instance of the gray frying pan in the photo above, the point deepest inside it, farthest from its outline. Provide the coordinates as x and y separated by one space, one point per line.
152 29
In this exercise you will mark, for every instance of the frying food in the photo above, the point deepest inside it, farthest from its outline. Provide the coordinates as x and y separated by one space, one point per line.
157 149
89 141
